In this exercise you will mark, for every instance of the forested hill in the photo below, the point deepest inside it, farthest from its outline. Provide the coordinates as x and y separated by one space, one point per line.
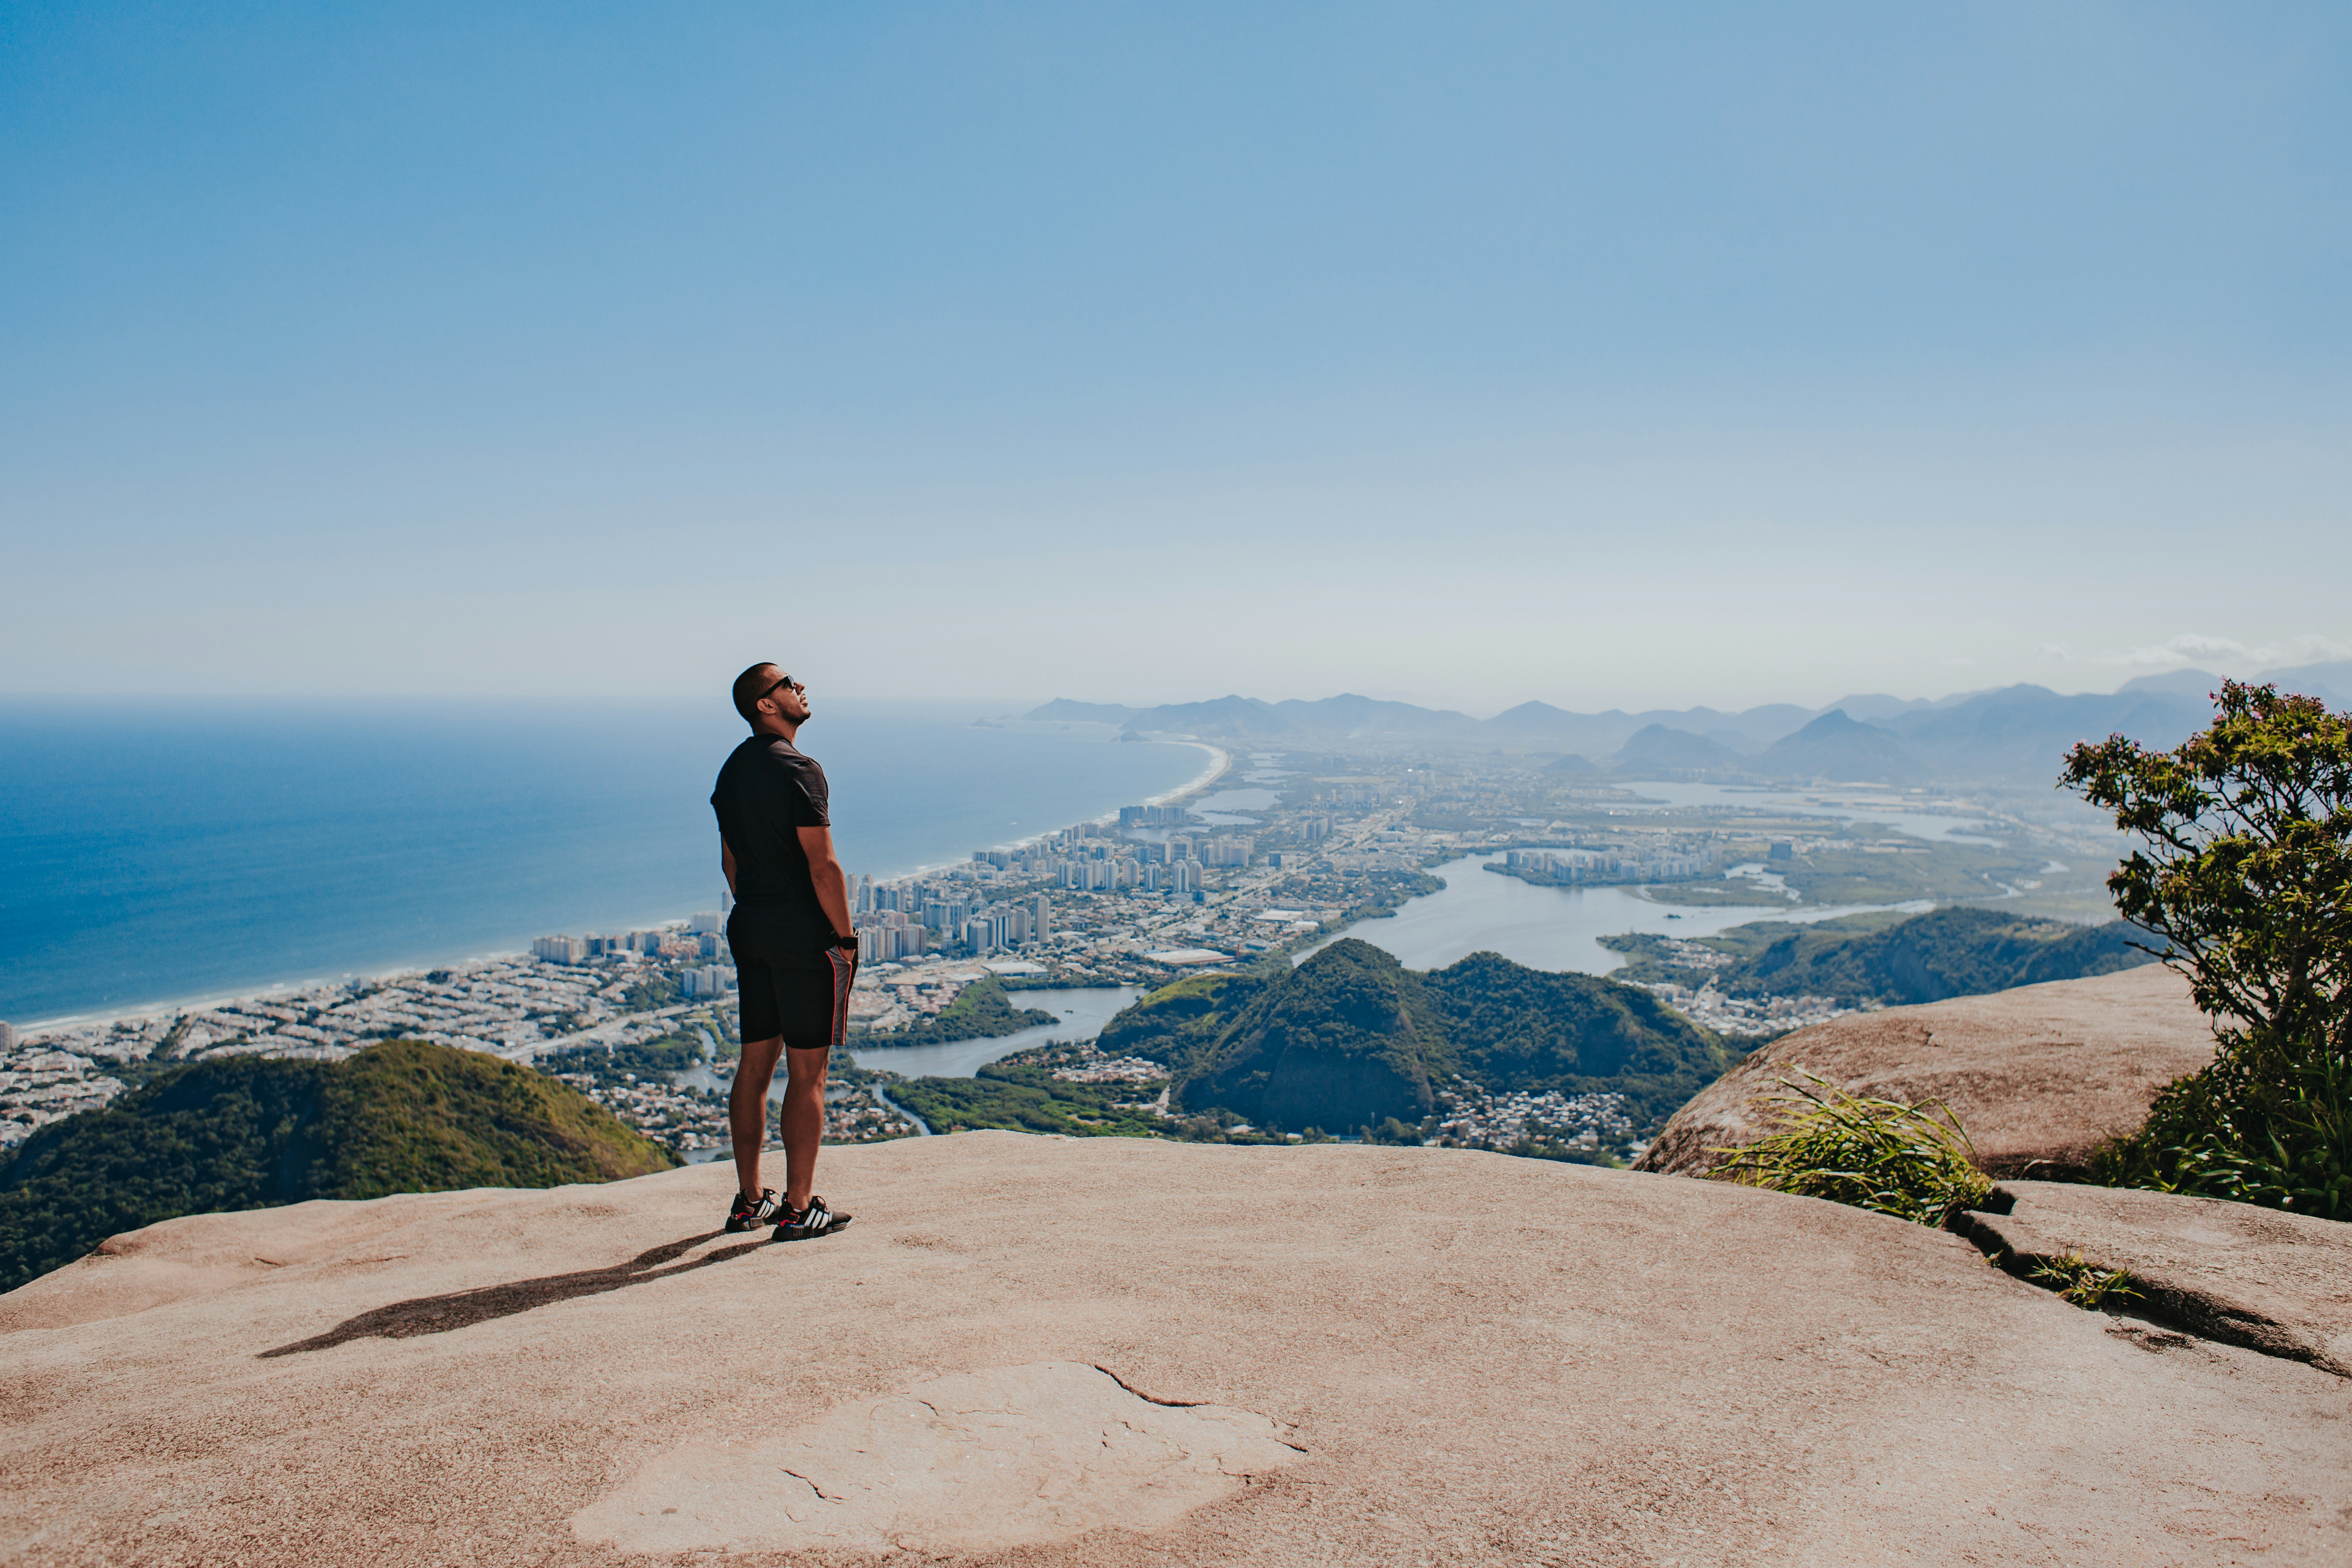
983 1011
1949 953
1353 1037
245 1132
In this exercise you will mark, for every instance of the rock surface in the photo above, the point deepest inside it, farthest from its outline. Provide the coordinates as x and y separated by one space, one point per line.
2279 1283
2040 1075
1319 1355
973 1462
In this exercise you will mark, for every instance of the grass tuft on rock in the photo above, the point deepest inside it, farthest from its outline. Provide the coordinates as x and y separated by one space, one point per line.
2083 1283
1913 1162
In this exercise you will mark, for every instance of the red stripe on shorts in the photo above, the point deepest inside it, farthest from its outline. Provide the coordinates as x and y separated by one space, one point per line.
844 973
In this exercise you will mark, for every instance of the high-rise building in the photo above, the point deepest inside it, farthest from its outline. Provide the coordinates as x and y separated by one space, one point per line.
711 980
706 921
559 950
8 1032
1041 916
1184 876
864 896
991 929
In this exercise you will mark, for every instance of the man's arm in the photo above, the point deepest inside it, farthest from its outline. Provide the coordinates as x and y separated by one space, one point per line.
727 864
824 871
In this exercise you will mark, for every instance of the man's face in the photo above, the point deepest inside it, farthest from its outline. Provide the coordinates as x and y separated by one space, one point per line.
788 701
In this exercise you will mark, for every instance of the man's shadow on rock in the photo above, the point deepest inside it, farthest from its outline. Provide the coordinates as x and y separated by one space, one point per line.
462 1309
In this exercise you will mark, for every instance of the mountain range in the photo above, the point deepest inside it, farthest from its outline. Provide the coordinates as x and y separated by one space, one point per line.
2008 732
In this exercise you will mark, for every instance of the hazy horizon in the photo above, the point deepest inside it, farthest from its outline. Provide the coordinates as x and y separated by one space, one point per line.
1461 357
977 707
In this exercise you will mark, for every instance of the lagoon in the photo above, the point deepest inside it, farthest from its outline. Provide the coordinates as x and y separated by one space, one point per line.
1081 1013
1546 928
1219 810
1879 807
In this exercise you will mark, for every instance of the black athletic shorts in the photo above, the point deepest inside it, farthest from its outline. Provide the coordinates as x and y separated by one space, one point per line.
800 995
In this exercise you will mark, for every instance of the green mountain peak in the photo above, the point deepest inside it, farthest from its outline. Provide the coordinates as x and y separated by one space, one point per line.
245 1132
1352 1038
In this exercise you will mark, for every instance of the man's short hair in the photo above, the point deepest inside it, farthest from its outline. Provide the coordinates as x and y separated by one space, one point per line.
748 688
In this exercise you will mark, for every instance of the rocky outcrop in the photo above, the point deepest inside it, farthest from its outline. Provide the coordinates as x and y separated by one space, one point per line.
2040 1075
1118 1353
2275 1282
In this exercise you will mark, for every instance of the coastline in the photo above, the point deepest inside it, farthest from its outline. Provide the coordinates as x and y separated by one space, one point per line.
264 993
1219 763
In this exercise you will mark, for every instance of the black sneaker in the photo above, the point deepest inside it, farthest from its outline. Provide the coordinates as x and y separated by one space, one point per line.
806 1225
750 1214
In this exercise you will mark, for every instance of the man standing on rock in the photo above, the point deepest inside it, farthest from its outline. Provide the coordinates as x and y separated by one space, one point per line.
795 953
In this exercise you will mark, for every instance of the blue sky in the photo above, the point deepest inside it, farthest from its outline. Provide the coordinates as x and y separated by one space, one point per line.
1461 354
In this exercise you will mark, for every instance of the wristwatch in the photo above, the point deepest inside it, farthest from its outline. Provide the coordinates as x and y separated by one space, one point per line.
847 943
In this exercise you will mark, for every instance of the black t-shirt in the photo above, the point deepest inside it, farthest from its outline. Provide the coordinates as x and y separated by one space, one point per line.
766 791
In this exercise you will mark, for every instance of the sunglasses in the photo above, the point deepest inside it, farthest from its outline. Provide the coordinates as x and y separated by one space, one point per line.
779 685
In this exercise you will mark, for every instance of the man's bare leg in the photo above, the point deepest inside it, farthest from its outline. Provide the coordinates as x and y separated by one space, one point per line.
803 1121
746 1109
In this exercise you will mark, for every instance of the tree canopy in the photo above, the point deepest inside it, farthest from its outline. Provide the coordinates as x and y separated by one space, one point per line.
2244 869
2246 859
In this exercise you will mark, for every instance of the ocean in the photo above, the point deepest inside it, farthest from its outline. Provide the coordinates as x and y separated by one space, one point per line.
172 851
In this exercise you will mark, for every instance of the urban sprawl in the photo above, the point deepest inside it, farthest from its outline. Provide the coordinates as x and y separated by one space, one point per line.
1161 892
